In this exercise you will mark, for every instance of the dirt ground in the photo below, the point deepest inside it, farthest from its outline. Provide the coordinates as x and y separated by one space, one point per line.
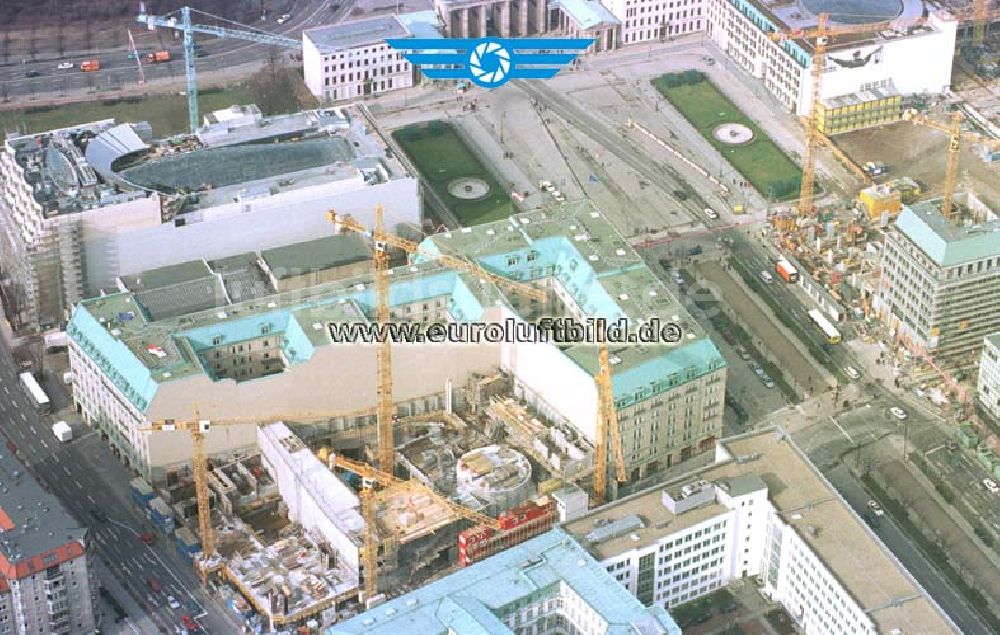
793 363
921 153
974 567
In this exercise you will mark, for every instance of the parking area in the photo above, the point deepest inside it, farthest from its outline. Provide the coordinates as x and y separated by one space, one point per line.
791 360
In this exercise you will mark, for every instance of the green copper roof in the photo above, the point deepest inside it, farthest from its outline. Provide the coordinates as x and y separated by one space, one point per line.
944 242
478 598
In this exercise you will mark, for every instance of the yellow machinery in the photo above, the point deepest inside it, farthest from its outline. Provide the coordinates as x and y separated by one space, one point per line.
956 136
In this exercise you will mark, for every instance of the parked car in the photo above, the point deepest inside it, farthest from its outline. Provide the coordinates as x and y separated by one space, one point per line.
852 372
711 213
65 66
32 74
767 381
147 537
898 412
742 352
876 508
766 277
172 601
991 485
154 584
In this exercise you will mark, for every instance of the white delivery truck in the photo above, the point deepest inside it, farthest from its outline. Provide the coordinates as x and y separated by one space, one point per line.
62 431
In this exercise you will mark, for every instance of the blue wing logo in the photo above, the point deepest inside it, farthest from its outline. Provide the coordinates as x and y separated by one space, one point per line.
491 62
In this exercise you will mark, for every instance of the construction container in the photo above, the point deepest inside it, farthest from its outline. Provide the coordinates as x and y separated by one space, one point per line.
142 493
881 199
186 543
161 515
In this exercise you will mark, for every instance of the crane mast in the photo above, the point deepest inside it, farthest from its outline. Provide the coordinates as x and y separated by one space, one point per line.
188 28
607 427
386 438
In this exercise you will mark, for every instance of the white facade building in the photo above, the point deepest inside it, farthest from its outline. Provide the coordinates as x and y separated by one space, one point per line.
654 20
760 511
352 60
913 60
988 388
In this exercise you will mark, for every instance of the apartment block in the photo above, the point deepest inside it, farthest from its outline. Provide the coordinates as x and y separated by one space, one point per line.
47 584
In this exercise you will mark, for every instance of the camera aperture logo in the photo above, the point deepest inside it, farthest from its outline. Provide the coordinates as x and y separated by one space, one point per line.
490 62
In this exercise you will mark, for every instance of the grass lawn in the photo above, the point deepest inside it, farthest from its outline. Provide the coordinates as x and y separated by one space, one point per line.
442 156
761 162
167 114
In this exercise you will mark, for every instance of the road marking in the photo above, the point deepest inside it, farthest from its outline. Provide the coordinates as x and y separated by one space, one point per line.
91 499
33 431
6 390
44 444
66 469
55 457
842 431
132 626
24 417
78 486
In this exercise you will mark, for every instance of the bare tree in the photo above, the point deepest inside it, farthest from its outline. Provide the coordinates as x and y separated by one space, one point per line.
88 33
274 86
33 42
6 45
60 36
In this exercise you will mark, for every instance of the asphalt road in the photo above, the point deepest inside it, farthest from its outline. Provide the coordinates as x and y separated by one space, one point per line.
94 486
915 562
118 71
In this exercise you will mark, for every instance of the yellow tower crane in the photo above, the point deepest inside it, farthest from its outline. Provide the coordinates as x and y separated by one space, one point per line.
370 476
820 36
956 136
607 423
197 428
981 13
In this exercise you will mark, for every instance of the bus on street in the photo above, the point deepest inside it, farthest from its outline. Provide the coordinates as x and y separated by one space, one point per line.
829 330
38 397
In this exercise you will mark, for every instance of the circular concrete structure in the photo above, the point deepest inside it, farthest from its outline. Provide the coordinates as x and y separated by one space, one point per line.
496 475
856 11
469 188
733 133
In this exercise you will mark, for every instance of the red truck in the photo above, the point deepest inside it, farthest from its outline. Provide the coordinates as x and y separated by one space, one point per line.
89 66
158 57
787 272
